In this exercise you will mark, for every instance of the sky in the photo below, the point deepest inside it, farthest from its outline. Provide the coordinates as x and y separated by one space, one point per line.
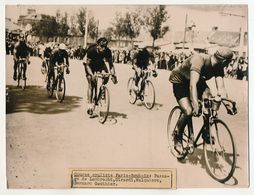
204 16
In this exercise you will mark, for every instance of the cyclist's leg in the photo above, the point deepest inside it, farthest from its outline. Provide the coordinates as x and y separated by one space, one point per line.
137 75
143 77
181 92
15 66
204 92
24 71
104 68
90 87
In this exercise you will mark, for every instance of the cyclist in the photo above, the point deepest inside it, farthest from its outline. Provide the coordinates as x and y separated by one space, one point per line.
59 56
21 50
46 54
142 60
189 84
95 56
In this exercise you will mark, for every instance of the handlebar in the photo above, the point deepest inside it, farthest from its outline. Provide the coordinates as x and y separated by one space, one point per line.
102 75
215 102
60 66
22 59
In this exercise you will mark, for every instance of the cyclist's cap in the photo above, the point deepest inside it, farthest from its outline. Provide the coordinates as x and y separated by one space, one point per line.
103 42
48 45
224 53
62 46
21 36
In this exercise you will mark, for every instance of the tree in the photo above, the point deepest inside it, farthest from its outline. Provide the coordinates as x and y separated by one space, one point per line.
45 27
154 20
118 26
62 26
109 33
92 24
131 25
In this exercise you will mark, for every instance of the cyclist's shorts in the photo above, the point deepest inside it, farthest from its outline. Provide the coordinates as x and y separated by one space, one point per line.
97 68
182 90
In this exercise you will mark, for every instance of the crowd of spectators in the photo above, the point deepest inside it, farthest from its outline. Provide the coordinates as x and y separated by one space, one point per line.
237 69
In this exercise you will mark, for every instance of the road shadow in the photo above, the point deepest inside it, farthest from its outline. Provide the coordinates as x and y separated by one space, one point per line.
197 158
156 106
34 99
113 116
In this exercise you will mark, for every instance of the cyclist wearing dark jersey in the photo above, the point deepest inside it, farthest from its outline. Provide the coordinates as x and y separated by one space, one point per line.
189 82
21 50
95 56
46 56
142 60
59 56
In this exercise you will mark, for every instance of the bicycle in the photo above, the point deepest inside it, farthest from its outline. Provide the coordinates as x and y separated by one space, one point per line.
218 143
54 83
22 62
145 93
45 68
101 100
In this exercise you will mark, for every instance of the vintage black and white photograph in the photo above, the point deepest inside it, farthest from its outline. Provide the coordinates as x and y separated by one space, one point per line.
155 86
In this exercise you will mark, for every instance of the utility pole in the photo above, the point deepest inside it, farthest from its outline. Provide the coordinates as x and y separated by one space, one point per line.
185 26
86 29
241 31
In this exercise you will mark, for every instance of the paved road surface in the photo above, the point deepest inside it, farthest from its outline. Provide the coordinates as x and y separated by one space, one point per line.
45 139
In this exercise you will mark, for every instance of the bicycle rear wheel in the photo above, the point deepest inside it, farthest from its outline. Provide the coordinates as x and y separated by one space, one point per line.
149 95
22 79
60 90
173 118
220 152
103 105
131 93
50 86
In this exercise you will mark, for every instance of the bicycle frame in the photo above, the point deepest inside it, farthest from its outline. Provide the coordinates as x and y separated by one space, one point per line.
206 122
95 87
207 119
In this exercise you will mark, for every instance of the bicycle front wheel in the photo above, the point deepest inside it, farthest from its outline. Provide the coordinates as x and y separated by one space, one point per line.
22 80
132 95
149 95
103 105
60 90
220 152
50 86
173 118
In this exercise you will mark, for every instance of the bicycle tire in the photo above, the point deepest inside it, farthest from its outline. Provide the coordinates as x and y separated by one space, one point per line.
214 156
173 118
60 94
18 75
132 96
150 89
23 80
50 89
103 105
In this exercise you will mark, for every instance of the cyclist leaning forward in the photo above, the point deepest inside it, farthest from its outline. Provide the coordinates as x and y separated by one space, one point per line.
59 56
189 84
21 50
142 60
95 56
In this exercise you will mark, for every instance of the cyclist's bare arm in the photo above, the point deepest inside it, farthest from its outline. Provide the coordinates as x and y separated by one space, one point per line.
221 90
111 66
87 66
194 78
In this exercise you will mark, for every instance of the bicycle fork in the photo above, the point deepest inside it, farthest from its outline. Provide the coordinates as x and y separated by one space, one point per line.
190 143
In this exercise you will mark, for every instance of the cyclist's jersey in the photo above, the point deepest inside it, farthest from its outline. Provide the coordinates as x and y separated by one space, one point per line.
200 63
21 50
142 58
58 57
47 52
97 59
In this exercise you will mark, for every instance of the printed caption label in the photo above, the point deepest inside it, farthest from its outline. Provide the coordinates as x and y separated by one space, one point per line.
123 178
